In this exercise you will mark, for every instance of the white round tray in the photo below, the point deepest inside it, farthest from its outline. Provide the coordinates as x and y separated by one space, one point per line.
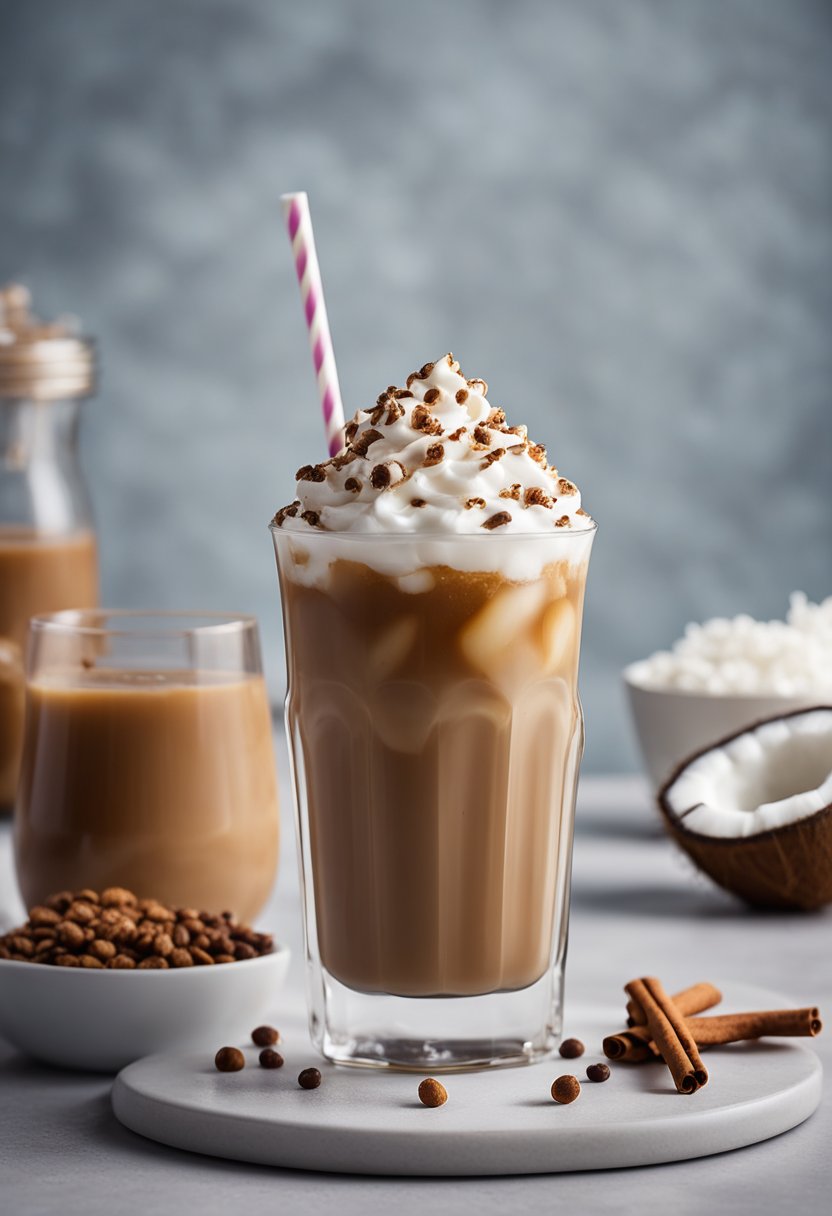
495 1122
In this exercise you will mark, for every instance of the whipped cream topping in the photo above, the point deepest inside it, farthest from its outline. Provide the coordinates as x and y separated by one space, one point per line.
435 458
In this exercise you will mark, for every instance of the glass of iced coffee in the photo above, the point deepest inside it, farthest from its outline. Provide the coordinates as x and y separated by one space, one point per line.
432 577
147 760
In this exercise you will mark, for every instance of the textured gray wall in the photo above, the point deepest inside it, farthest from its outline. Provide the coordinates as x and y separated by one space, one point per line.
616 211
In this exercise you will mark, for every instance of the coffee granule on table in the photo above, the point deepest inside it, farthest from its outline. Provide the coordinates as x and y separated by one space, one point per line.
229 1059
598 1072
432 1092
269 1058
265 1036
566 1089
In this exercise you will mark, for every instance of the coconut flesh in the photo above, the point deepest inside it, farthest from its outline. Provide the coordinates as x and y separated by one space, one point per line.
755 811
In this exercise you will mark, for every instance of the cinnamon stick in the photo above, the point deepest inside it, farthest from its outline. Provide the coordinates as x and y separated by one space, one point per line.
736 1027
669 1032
695 999
631 1046
635 1045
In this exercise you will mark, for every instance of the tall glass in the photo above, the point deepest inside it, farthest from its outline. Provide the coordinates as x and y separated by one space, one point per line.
435 735
147 760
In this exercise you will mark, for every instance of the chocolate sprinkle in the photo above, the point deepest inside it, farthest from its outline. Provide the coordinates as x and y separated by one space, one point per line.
536 497
353 485
482 437
432 396
497 521
461 396
434 455
310 472
380 477
364 440
421 419
474 502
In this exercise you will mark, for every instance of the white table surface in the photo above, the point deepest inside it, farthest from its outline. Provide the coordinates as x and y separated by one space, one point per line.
638 907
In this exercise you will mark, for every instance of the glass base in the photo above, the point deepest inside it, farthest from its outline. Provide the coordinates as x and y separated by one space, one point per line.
438 1034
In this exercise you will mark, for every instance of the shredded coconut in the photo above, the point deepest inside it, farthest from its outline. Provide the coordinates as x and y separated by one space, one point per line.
791 658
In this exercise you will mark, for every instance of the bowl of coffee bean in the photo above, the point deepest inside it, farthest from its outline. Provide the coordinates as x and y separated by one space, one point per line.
94 980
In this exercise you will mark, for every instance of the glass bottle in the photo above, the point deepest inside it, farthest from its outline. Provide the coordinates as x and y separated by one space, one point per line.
48 554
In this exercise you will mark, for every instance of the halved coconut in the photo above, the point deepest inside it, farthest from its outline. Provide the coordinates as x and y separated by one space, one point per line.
754 811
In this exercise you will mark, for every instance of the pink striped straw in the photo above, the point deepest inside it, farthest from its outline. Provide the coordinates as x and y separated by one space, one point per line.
299 225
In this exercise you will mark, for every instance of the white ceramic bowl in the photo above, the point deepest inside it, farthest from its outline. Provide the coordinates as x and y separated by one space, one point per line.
103 1020
671 724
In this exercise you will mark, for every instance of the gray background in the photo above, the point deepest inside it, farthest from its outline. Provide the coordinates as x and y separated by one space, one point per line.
616 211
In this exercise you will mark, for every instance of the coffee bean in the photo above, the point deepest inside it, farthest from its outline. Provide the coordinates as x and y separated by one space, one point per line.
566 1089
310 1078
432 1092
269 1058
265 1036
229 1059
570 1049
598 1072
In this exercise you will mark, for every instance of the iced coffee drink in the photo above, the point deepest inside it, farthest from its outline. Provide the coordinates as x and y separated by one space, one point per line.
432 576
148 760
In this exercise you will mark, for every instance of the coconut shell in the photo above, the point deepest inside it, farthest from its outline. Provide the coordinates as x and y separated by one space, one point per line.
787 868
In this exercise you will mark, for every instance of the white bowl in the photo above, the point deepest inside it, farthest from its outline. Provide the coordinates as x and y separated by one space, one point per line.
672 724
103 1020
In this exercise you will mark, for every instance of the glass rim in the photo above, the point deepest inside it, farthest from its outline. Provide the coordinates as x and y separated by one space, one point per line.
78 621
452 537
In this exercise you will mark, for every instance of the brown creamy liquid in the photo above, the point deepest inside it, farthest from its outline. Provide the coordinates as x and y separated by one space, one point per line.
437 733
37 574
160 782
